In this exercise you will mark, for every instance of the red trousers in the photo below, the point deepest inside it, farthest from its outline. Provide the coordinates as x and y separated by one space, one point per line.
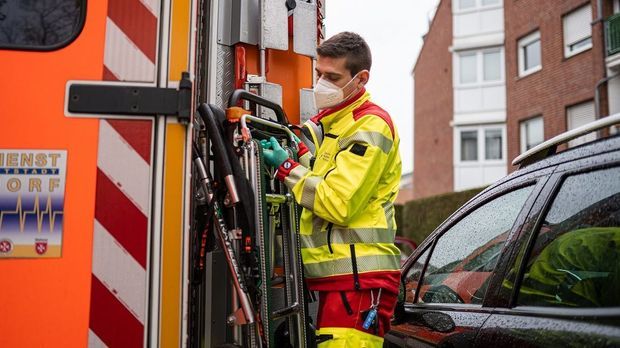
343 309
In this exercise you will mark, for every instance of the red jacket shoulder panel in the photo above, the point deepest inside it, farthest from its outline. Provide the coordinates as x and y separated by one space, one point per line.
370 108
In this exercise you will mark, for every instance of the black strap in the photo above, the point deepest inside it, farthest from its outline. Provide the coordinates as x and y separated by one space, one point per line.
356 279
329 237
322 338
345 302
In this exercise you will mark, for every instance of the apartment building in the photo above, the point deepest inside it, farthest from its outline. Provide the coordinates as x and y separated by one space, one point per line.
460 99
504 76
558 66
433 108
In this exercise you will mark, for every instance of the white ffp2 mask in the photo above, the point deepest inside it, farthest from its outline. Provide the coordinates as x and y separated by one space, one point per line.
327 94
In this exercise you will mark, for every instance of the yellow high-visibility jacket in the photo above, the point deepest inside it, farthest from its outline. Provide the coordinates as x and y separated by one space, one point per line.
347 182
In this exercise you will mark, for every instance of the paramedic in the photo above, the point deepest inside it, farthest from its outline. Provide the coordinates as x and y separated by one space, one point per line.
346 179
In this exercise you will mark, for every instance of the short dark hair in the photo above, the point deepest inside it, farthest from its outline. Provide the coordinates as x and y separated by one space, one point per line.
349 45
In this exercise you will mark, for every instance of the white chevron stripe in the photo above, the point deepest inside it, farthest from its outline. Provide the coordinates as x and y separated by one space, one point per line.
123 58
124 166
119 272
152 5
94 341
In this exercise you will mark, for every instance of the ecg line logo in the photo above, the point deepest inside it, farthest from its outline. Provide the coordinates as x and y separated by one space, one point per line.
36 211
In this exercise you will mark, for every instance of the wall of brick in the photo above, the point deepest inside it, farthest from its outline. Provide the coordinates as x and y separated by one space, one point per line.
562 82
433 172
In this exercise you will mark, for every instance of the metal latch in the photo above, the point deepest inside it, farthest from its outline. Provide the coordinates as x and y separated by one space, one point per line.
132 100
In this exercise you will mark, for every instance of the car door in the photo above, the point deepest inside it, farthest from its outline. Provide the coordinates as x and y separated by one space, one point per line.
446 281
563 287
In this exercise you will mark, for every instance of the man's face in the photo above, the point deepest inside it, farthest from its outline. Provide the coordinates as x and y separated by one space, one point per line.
333 70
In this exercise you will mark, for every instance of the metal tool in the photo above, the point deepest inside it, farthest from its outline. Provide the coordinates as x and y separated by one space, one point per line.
224 238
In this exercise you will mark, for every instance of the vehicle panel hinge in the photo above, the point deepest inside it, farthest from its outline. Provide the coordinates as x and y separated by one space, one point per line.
132 100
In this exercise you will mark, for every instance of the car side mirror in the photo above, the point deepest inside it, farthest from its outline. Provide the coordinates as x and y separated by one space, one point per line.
438 321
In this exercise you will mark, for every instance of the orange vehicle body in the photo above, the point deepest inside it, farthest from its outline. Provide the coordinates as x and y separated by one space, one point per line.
47 301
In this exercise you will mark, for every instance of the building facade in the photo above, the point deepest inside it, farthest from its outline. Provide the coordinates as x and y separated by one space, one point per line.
433 99
558 58
522 71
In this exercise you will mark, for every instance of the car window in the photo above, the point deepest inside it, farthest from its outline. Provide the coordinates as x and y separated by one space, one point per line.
41 24
465 256
575 261
413 277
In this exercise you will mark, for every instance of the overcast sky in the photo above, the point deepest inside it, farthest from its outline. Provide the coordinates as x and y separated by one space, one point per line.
394 30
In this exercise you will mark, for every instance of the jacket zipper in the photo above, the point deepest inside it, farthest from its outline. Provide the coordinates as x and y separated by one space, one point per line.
331 224
329 237
329 171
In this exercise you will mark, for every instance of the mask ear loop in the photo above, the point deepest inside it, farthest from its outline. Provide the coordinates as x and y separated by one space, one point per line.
355 90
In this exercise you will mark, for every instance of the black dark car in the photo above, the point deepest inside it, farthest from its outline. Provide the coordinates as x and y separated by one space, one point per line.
532 261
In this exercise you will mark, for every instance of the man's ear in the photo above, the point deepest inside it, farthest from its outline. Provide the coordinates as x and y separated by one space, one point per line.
364 76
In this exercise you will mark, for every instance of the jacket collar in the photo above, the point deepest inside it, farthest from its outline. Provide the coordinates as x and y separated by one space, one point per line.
327 116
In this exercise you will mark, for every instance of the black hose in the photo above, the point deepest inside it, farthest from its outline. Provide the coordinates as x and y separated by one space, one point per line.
219 149
215 136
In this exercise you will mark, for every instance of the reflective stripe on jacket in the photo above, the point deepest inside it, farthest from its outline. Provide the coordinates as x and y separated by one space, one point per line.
347 190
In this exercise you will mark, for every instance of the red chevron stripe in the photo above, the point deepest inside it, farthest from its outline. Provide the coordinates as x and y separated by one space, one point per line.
137 133
111 321
108 75
121 218
137 22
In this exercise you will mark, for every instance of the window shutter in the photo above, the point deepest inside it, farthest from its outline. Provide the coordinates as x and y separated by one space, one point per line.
577 25
579 115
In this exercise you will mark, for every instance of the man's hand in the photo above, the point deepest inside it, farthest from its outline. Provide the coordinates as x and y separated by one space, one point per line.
297 140
273 153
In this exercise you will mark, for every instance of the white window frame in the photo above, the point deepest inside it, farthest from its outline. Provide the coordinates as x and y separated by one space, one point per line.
458 68
480 129
460 135
484 147
567 51
616 6
522 43
477 7
479 54
501 64
458 5
522 144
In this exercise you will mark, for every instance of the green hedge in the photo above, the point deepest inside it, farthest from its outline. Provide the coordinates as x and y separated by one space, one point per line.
418 218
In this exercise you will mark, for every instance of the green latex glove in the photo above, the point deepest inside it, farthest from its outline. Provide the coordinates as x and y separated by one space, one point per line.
273 153
265 144
297 140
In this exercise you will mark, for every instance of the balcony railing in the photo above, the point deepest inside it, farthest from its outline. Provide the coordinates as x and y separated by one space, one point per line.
612 33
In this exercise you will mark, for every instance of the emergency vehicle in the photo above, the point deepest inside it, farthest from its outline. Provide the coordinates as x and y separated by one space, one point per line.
111 197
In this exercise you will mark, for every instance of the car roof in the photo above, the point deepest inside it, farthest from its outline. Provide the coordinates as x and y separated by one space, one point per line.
549 147
593 148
